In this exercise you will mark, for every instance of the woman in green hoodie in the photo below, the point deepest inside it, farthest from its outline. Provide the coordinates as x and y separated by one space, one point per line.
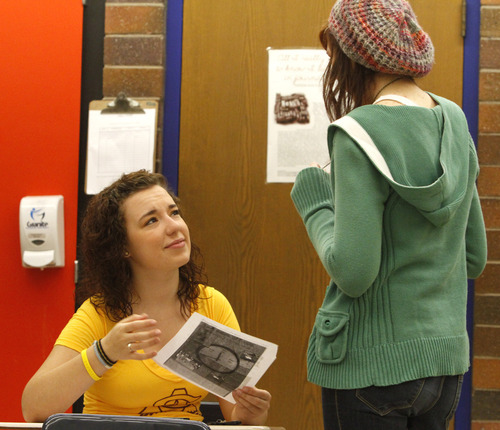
397 224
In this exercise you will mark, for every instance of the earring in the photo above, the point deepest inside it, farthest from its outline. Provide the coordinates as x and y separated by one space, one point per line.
127 254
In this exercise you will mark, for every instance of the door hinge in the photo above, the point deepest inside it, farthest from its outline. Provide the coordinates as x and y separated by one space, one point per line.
76 272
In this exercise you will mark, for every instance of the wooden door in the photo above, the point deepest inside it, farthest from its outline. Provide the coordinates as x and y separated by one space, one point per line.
256 248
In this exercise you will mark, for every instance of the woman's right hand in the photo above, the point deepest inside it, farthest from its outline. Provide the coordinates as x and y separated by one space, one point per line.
130 335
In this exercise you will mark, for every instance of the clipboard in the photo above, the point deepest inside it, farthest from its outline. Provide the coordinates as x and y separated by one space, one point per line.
121 139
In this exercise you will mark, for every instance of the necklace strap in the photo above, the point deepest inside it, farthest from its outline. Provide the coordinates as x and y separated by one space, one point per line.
386 85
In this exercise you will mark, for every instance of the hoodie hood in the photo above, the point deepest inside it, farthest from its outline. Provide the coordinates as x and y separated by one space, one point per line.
438 199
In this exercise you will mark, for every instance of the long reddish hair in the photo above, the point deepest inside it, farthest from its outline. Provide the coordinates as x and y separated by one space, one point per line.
345 82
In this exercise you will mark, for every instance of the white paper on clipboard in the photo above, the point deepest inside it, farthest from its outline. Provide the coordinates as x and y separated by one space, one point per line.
119 143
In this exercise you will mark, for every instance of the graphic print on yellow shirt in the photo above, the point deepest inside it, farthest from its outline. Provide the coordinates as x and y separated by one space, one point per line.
179 401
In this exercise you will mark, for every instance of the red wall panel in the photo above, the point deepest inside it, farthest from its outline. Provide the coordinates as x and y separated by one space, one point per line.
40 46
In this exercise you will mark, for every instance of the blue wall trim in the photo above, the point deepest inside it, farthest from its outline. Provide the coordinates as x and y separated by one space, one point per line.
172 113
470 100
470 103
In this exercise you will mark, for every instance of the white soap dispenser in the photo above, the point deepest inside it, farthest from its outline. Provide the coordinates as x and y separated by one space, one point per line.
41 228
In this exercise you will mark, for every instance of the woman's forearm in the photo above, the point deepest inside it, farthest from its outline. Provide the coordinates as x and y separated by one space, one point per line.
60 381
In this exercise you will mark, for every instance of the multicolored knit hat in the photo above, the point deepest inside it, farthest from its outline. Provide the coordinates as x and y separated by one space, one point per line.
383 35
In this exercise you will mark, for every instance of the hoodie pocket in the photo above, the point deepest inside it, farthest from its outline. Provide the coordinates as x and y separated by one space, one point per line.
331 336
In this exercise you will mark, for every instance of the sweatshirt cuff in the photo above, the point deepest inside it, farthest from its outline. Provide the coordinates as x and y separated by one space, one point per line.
312 191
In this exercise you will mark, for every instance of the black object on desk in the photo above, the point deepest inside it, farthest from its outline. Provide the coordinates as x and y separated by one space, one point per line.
118 422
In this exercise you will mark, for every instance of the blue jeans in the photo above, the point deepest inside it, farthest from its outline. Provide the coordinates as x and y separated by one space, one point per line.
423 404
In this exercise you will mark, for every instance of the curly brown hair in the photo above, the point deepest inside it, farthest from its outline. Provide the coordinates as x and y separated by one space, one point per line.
345 82
107 275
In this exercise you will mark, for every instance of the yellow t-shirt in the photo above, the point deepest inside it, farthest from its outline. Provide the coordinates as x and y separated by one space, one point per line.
142 388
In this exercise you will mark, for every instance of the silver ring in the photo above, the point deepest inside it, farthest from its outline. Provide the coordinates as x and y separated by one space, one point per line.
130 347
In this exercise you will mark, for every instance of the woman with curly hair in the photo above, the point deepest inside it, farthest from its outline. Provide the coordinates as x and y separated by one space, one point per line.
141 283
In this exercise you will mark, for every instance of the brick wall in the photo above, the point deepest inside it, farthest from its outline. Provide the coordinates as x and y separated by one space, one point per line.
134 53
486 365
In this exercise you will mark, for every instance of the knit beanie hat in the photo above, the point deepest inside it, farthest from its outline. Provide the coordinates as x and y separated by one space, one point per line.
382 35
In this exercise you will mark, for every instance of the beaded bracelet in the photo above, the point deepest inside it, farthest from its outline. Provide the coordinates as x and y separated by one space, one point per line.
103 355
88 367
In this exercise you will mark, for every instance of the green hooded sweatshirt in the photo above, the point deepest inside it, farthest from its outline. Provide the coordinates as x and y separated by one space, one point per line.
399 229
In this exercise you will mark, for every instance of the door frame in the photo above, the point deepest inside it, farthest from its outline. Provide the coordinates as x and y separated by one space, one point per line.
172 105
470 106
470 103
91 89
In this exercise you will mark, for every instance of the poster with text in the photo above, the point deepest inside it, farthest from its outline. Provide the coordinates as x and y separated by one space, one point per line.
297 119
